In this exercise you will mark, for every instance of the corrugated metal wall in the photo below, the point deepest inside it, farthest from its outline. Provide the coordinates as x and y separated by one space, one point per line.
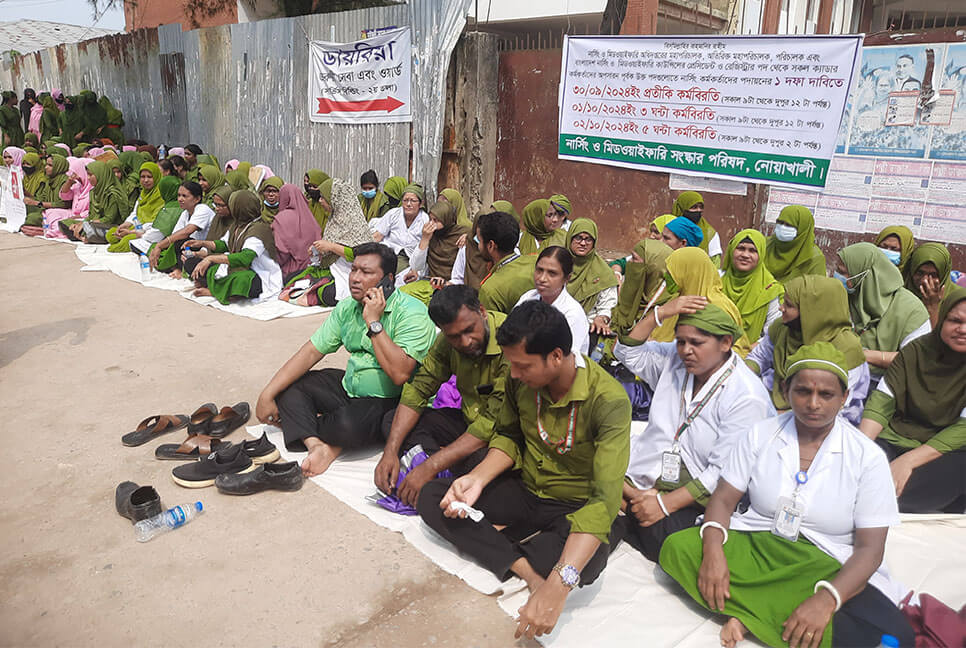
240 91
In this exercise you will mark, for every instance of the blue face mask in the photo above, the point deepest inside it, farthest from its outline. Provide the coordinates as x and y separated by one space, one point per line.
892 255
368 194
785 233
272 205
845 282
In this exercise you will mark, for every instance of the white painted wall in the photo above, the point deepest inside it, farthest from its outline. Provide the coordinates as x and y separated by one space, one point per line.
511 10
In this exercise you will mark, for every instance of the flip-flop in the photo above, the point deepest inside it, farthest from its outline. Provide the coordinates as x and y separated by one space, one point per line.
201 419
229 419
154 426
197 446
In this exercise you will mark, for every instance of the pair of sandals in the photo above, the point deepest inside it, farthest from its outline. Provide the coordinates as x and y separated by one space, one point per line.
206 428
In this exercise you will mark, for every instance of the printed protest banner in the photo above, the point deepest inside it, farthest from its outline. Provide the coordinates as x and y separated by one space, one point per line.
365 82
13 212
755 109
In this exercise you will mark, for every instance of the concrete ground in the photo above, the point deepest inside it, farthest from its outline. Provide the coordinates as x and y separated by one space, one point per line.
83 358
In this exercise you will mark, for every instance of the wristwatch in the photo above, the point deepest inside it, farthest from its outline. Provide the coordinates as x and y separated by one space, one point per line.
375 328
568 574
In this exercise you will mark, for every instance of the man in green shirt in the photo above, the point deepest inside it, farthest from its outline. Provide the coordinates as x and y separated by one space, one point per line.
328 410
512 274
566 424
466 347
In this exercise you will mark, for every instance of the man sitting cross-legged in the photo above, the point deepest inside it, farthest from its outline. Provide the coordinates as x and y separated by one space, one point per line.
466 347
566 423
328 410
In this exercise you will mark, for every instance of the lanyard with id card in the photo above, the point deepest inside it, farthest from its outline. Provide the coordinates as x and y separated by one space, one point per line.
789 512
671 459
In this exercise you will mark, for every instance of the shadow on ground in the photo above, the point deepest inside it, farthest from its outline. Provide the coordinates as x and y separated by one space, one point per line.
14 344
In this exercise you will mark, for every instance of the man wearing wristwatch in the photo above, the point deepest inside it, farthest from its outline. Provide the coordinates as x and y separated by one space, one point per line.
565 423
386 332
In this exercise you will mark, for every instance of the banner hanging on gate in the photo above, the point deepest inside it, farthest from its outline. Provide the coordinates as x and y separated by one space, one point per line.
757 109
364 82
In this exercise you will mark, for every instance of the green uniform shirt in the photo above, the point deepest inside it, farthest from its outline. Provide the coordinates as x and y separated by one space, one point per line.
881 408
502 289
406 322
491 369
592 471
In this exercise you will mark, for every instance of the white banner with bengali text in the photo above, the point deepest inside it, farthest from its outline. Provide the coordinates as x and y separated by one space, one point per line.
763 109
365 82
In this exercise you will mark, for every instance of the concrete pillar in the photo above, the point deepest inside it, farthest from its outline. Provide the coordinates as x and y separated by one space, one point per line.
476 95
640 18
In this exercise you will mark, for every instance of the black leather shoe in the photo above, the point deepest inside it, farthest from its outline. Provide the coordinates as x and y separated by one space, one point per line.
135 502
270 476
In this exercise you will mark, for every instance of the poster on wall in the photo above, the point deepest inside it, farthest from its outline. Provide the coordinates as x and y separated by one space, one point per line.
755 109
13 212
949 140
365 82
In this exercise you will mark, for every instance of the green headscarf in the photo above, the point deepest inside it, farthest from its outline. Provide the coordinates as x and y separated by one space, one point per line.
33 180
168 217
928 379
686 201
80 149
268 213
712 319
417 190
150 201
214 177
883 312
50 120
823 307
238 180
456 200
108 200
641 283
220 224
536 236
31 139
934 253
71 121
49 189
319 212
907 242
208 158
820 355
751 291
394 189
659 222
245 167
562 203
799 256
506 207
591 273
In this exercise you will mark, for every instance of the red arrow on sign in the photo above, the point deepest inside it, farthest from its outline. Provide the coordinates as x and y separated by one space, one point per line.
388 104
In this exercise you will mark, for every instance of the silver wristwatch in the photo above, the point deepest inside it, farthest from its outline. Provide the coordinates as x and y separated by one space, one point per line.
375 328
568 574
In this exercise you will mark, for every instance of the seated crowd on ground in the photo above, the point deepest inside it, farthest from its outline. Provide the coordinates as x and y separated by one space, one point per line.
498 360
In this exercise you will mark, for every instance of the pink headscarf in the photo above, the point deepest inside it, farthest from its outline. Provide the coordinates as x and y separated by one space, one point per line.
35 114
79 190
65 147
128 147
176 150
231 165
295 229
16 153
58 96
93 152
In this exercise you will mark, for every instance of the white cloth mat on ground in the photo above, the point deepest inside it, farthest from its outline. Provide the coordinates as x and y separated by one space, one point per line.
634 600
96 258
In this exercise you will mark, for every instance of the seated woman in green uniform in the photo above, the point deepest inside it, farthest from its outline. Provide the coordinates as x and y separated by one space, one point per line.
791 251
107 207
194 223
747 283
432 261
243 263
690 204
47 195
643 284
374 203
148 204
918 415
539 230
592 282
318 205
802 566
269 191
897 242
927 276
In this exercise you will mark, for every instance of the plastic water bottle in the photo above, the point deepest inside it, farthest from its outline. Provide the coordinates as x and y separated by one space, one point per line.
598 353
137 224
314 257
162 152
145 269
167 521
888 641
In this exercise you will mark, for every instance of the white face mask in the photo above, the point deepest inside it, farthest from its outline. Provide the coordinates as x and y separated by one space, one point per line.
785 233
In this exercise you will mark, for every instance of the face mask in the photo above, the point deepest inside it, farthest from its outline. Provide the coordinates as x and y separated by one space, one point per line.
892 255
369 194
785 233
312 193
845 282
693 216
30 169
268 204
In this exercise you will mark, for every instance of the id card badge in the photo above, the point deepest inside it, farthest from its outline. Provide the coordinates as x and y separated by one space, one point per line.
788 519
670 466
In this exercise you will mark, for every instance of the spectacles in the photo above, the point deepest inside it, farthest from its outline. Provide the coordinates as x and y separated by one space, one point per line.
582 238
410 201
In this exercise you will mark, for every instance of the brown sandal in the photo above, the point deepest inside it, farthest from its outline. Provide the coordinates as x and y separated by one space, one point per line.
196 446
154 426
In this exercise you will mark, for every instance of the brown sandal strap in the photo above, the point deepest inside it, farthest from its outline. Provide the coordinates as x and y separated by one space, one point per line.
150 421
200 442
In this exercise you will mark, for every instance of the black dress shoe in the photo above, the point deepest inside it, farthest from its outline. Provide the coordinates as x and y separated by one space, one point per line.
269 476
135 502
261 450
